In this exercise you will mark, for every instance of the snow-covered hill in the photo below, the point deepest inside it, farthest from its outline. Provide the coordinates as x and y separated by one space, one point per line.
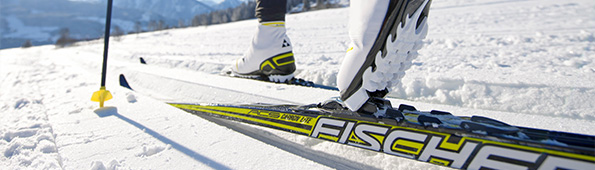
527 63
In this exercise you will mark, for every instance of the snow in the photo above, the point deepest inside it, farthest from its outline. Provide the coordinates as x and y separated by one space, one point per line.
527 63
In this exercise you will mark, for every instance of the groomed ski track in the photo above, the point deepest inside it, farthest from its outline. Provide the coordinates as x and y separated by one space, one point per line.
478 54
212 90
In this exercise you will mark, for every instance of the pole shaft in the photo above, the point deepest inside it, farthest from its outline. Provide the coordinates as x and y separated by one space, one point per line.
108 19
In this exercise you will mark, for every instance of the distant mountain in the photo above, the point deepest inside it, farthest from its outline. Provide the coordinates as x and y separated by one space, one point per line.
41 20
228 4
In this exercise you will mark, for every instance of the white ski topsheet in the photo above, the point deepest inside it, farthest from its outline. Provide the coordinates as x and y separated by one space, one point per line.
526 63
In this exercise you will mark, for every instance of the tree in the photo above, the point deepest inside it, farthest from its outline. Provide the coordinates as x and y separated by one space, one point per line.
152 25
219 17
161 25
137 27
27 44
203 19
293 3
195 21
117 33
181 23
64 39
236 13
306 5
321 4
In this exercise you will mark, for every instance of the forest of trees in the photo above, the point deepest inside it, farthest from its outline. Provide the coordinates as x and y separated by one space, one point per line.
241 12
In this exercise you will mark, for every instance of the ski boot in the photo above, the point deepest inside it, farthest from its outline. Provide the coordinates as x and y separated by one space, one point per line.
270 55
385 36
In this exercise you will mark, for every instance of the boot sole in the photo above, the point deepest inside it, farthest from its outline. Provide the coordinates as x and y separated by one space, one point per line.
391 56
271 78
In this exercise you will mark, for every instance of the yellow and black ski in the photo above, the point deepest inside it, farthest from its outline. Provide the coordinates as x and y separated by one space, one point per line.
477 147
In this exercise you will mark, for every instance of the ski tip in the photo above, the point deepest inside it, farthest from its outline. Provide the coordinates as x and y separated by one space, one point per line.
124 83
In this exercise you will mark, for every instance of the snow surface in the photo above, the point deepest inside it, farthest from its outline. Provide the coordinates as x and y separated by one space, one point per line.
527 63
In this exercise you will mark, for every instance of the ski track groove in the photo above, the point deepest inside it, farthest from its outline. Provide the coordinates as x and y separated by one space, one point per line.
212 87
45 115
31 102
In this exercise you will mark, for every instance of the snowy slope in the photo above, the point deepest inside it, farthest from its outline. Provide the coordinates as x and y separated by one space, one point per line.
527 63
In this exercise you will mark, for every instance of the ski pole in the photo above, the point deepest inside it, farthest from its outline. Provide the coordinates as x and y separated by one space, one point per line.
103 95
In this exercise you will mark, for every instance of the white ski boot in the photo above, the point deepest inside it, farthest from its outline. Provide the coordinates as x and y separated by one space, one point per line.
385 36
270 55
